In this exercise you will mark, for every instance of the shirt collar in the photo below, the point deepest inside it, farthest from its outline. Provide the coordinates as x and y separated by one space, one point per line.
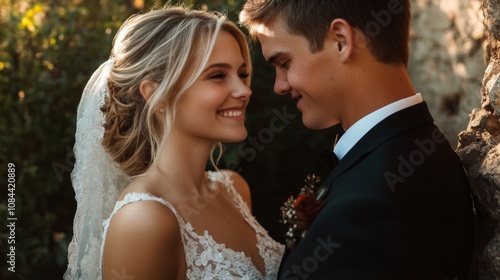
362 126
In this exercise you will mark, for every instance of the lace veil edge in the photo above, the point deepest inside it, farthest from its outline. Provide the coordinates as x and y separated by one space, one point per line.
96 179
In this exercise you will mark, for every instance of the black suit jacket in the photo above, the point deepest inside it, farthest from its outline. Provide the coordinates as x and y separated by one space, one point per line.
398 207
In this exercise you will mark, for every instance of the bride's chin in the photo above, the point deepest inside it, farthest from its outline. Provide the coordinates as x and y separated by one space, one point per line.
236 138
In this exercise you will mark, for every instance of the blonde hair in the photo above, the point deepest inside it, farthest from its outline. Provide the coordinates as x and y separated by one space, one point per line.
157 46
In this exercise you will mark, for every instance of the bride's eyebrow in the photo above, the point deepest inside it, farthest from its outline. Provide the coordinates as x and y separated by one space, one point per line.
217 65
223 65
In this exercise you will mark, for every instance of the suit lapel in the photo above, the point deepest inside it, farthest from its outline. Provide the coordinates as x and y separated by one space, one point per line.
400 122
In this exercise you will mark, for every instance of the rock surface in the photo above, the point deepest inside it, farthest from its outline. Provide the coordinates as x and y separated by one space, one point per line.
479 149
447 50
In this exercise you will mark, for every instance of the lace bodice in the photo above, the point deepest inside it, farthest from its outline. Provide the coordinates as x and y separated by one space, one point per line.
207 259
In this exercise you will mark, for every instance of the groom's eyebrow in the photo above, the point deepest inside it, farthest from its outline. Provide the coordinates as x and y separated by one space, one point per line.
272 59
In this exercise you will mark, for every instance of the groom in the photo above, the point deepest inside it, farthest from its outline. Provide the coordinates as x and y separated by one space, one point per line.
398 204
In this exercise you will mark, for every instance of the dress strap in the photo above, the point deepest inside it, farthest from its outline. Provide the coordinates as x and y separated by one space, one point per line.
135 197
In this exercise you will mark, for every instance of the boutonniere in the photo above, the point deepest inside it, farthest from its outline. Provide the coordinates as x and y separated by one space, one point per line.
299 213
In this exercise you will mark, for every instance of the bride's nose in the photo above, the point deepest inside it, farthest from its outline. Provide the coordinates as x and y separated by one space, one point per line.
241 91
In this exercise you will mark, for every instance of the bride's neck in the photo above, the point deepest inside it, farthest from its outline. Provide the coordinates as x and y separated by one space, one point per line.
181 166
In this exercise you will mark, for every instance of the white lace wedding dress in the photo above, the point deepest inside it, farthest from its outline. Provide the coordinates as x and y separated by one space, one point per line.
207 259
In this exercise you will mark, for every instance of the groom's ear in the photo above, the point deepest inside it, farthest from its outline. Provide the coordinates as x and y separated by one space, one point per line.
147 88
345 38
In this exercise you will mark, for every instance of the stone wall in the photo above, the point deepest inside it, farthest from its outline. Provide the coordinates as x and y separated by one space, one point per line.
479 149
447 47
455 64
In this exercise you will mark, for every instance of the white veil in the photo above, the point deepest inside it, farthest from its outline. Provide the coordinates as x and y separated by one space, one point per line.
96 178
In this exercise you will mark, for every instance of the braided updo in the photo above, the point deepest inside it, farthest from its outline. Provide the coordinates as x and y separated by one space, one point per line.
157 46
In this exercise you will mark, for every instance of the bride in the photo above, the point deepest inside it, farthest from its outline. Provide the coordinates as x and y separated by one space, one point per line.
176 85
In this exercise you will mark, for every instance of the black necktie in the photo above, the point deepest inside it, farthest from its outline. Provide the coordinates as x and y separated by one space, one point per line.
329 157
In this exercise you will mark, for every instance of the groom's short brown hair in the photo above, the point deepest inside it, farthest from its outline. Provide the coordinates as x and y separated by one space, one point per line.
384 22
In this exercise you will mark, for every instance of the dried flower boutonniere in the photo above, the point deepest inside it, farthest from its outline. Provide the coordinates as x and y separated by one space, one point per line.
299 213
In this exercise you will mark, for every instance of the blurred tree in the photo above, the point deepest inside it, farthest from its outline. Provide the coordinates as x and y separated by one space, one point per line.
48 50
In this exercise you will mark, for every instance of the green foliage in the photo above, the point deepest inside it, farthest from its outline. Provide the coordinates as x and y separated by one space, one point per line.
47 53
48 50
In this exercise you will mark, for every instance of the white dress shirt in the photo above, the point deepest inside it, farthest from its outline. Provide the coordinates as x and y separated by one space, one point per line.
361 127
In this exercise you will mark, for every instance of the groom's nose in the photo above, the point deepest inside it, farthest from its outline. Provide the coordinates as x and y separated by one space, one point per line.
281 85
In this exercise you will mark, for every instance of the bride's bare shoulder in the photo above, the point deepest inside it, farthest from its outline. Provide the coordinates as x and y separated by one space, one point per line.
142 237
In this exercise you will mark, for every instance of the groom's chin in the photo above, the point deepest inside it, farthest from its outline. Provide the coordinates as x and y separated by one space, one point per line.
319 124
